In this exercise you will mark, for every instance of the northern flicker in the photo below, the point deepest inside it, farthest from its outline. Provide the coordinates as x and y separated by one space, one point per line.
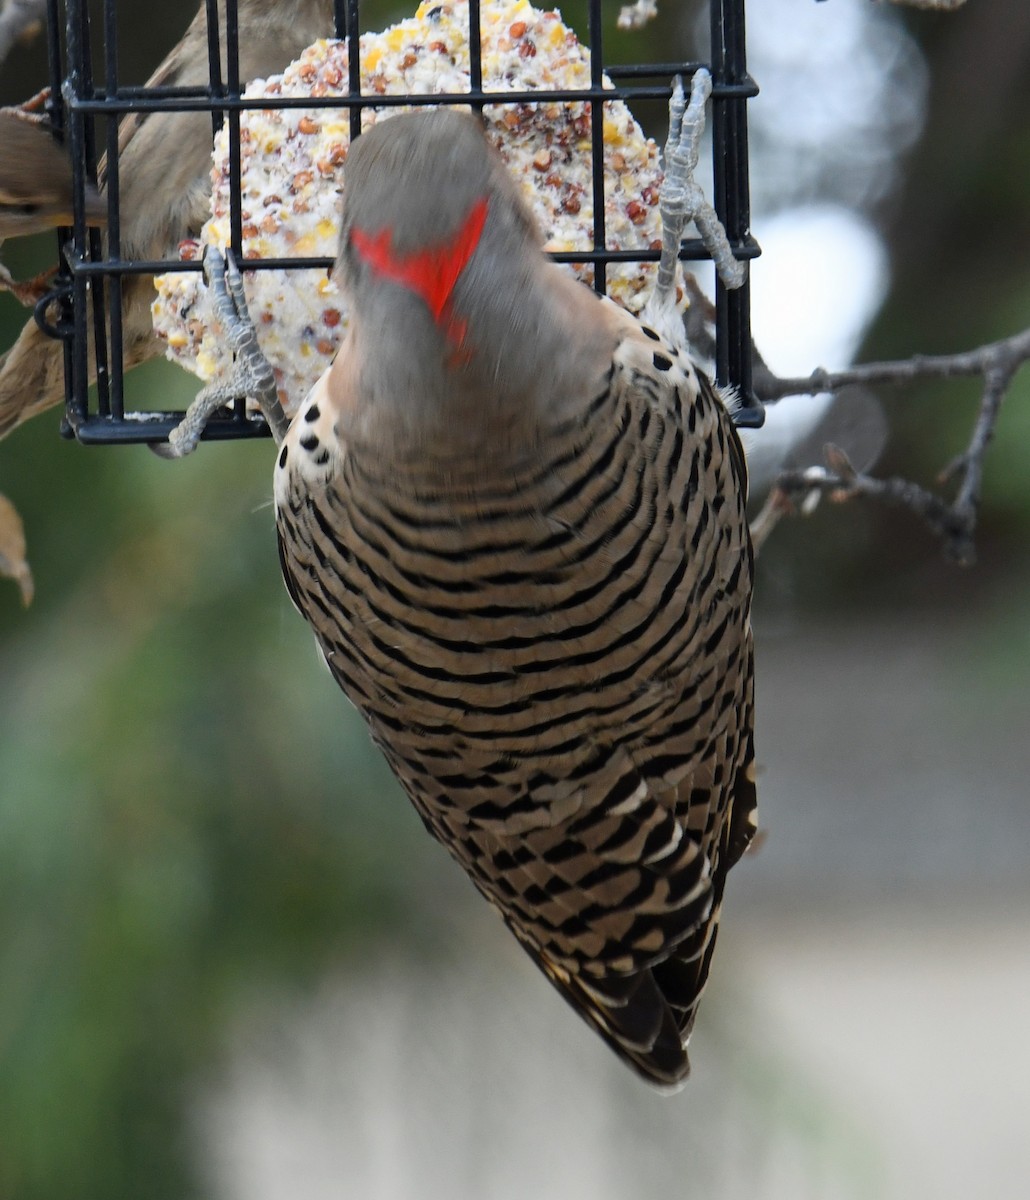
513 515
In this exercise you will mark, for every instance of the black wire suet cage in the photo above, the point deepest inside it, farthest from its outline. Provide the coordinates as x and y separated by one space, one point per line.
84 307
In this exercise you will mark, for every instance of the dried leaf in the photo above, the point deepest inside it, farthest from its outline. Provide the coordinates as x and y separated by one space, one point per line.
13 563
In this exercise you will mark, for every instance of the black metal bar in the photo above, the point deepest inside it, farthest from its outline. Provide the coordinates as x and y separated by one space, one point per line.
110 390
74 87
476 55
353 64
597 141
234 84
730 167
146 428
54 108
665 70
691 250
196 100
185 98
56 114
214 64
232 75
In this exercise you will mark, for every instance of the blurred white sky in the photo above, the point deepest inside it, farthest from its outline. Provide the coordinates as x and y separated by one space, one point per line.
822 276
842 97
843 92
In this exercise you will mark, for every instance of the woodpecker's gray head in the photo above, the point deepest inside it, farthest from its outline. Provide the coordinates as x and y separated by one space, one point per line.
460 326
433 226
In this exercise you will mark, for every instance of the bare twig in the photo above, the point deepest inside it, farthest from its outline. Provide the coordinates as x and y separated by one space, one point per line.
1008 354
953 521
19 21
841 482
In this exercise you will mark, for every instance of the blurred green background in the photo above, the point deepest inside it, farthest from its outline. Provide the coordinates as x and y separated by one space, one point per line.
192 818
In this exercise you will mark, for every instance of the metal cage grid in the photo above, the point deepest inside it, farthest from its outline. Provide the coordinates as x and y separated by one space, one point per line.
88 287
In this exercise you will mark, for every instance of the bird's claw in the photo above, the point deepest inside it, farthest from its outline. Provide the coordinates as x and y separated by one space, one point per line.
252 374
682 199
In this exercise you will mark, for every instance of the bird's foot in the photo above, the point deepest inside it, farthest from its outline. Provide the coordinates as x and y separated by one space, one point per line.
682 199
252 375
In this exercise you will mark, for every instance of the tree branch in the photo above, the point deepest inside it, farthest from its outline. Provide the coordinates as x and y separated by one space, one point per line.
954 521
1008 354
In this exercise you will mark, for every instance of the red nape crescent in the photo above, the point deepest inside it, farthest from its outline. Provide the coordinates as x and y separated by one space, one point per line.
430 273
